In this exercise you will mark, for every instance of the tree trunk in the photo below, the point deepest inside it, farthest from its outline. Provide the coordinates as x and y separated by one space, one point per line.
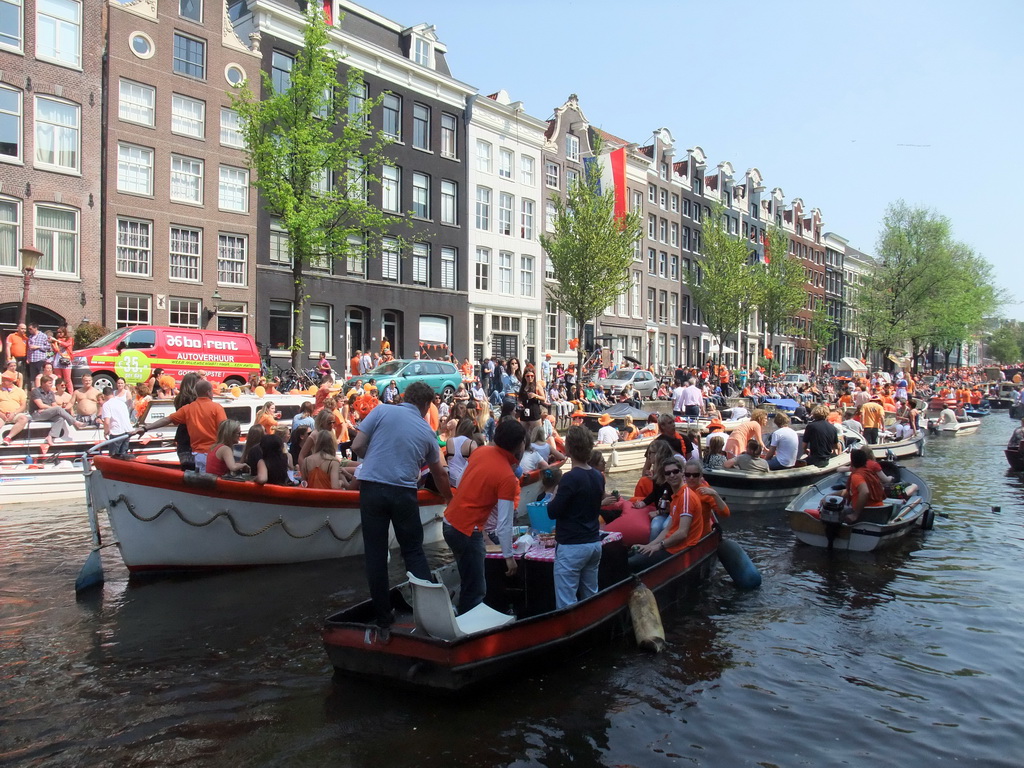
298 306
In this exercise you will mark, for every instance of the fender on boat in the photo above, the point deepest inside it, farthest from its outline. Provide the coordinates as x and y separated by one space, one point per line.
643 610
738 565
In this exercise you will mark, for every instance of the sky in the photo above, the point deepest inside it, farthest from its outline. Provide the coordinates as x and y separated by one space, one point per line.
849 106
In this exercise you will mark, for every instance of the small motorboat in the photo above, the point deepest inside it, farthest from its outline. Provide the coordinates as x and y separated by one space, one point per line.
767 491
977 411
962 426
899 449
519 622
816 516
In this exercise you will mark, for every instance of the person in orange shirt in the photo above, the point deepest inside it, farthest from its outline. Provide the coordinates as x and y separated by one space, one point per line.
872 417
865 487
201 417
737 441
433 416
467 370
687 523
353 363
16 348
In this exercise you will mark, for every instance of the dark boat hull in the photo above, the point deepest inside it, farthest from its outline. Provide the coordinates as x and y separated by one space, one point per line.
416 660
1015 459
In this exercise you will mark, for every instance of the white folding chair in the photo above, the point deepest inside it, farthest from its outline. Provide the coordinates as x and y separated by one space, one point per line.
434 614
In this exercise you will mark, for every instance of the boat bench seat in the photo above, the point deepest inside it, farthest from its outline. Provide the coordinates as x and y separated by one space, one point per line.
880 514
434 614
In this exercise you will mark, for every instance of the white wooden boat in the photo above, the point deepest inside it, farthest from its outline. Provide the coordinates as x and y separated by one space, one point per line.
767 491
167 520
962 426
879 527
625 455
29 472
899 449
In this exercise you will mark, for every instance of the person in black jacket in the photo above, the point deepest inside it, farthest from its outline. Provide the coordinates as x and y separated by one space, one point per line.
576 508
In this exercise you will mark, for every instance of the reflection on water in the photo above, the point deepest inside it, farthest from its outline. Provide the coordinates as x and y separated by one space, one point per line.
908 657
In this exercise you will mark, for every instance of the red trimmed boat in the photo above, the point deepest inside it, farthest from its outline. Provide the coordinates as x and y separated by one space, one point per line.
409 656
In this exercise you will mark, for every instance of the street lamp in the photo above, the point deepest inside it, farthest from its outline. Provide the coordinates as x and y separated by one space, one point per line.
29 260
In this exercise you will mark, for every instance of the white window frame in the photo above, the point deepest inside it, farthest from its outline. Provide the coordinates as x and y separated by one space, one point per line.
482 269
572 148
390 260
281 309
552 175
18 124
54 235
10 235
187 312
19 45
233 189
232 260
391 188
59 131
449 268
506 162
527 166
449 136
506 213
187 173
483 209
278 240
133 247
136 103
484 158
421 264
391 116
421 126
526 262
506 282
127 315
188 116
420 195
449 202
526 218
55 28
355 258
231 129
190 259
320 323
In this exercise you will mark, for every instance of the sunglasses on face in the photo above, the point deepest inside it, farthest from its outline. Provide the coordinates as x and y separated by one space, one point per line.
691 474
670 472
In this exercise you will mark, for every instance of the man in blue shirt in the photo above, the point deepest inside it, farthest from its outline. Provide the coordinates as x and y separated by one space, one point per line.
394 444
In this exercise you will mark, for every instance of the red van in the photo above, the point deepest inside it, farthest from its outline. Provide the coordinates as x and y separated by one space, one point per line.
133 353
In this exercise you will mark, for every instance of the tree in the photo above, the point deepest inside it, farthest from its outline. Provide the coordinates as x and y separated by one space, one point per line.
913 258
312 153
722 282
821 330
590 252
779 291
969 296
1004 345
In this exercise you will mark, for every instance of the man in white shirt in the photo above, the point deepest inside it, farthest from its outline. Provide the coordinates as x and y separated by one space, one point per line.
365 363
116 421
607 434
783 445
689 401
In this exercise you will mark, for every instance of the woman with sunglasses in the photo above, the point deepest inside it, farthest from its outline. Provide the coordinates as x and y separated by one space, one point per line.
687 521
532 401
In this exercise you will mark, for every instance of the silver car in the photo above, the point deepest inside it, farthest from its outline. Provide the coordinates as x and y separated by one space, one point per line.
643 382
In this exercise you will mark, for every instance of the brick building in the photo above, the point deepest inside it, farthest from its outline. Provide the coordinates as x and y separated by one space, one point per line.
51 95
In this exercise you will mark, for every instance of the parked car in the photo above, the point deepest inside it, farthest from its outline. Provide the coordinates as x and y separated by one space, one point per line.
133 353
796 378
442 376
643 382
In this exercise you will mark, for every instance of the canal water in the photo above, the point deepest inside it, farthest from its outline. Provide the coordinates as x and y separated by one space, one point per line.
907 658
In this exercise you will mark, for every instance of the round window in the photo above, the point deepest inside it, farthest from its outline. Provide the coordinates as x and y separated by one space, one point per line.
142 44
234 74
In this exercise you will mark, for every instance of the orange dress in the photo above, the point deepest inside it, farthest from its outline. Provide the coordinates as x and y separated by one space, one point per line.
318 478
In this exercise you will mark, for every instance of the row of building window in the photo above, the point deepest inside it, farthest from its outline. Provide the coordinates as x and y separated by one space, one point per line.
184 249
502 279
135 177
137 104
56 234
506 214
58 30
57 123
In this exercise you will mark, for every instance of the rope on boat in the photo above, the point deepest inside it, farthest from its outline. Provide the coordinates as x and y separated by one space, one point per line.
231 520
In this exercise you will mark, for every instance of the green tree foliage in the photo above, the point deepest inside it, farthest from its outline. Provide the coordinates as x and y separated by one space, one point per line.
313 159
779 291
920 272
968 296
722 284
590 252
821 330
1005 344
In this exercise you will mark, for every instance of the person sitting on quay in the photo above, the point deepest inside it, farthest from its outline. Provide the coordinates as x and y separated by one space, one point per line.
43 407
13 405
85 401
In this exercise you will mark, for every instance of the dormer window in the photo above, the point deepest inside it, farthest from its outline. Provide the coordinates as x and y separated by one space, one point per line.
572 148
423 52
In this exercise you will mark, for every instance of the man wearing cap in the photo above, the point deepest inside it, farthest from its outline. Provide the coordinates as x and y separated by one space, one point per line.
16 347
12 405
607 434
872 417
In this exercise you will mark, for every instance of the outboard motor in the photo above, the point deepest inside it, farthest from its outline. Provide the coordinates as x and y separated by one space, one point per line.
831 509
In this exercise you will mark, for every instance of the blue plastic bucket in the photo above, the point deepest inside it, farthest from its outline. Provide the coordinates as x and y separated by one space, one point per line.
539 520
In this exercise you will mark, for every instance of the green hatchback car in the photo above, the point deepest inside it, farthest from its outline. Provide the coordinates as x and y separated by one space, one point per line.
442 376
